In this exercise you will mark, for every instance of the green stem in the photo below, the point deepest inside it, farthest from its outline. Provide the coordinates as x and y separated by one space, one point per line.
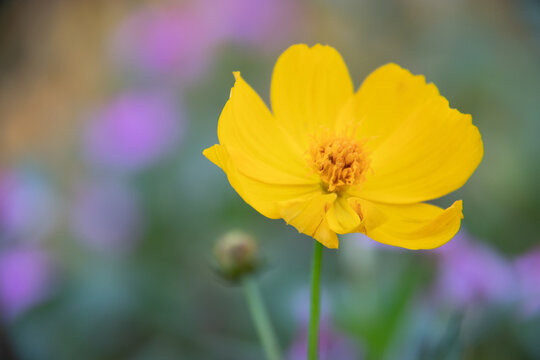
313 335
261 320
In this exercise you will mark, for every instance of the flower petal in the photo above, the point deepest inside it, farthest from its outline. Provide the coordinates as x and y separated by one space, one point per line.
307 215
247 126
309 88
420 148
262 165
342 218
414 226
262 196
219 156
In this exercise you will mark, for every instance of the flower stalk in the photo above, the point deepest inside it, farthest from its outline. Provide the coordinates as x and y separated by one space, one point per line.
313 335
261 319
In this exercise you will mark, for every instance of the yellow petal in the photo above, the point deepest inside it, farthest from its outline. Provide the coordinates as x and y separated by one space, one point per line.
420 148
262 196
309 88
247 126
265 172
414 226
219 156
341 217
308 216
215 155
262 165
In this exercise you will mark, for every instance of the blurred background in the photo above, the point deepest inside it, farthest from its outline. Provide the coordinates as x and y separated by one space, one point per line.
109 212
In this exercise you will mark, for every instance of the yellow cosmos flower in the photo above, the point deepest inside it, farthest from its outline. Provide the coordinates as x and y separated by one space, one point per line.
330 161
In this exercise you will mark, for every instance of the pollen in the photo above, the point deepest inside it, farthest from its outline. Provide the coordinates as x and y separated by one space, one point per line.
340 162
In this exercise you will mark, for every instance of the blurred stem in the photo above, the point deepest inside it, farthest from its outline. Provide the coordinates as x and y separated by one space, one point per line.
260 318
313 336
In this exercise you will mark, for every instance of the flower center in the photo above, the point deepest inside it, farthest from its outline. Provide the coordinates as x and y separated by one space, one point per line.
339 162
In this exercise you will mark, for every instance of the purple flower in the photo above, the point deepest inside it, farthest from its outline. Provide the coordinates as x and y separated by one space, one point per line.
174 40
471 273
26 278
27 206
180 40
262 22
132 131
107 216
528 272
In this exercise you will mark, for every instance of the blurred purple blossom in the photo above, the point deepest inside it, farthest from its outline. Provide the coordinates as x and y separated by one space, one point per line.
27 206
471 273
528 274
26 278
133 130
262 22
181 40
166 40
107 216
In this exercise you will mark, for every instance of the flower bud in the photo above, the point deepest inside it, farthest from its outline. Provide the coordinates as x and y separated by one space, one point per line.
236 255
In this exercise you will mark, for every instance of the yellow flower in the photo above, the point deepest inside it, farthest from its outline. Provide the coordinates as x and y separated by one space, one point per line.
330 160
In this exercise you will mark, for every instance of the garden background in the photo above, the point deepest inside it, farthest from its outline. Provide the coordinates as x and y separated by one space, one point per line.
109 212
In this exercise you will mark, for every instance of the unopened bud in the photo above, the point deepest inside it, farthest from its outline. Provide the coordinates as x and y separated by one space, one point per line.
236 255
